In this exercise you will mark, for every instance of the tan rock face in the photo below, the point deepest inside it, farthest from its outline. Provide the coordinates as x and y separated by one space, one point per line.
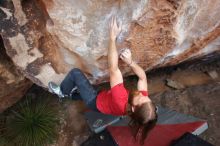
13 84
46 38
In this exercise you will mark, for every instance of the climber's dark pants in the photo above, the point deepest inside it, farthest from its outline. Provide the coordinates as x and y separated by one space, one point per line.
87 93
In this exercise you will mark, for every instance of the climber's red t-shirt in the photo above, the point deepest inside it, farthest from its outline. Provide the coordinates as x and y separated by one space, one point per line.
114 101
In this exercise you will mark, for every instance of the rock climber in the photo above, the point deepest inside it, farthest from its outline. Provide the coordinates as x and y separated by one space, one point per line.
117 100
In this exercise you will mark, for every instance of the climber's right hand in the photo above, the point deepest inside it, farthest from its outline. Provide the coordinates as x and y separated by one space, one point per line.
114 29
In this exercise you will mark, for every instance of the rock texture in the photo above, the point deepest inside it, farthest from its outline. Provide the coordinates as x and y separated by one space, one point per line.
13 84
46 38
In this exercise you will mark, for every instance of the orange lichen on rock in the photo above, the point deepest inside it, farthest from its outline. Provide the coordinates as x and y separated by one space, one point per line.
152 36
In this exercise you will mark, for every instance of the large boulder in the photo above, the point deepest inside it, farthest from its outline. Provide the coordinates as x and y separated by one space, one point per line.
46 38
13 84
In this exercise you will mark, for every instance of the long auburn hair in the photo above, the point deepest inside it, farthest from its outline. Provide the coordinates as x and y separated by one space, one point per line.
143 119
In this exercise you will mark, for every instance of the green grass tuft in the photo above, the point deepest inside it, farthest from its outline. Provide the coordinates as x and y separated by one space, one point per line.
31 124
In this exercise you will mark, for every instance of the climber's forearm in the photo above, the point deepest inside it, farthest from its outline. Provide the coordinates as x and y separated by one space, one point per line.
138 71
112 55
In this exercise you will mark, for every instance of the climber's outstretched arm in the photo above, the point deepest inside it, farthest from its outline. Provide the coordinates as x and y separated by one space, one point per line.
115 73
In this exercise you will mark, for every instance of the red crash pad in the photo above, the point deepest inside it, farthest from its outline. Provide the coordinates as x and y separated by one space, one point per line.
160 135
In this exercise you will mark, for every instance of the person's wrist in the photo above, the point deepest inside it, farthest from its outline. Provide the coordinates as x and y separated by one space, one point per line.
130 63
112 40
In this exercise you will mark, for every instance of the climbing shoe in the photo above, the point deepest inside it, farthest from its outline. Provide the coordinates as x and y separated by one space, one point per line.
54 88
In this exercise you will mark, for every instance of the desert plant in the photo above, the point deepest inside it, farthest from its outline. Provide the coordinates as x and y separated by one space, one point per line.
31 124
3 141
